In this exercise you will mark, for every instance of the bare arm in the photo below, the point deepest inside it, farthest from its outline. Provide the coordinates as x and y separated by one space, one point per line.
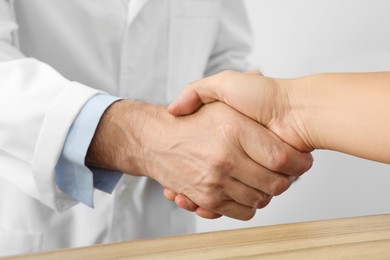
343 112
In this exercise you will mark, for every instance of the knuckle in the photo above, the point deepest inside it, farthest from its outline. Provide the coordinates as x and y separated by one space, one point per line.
221 162
279 185
309 162
279 158
248 214
193 85
260 200
264 201
305 164
210 203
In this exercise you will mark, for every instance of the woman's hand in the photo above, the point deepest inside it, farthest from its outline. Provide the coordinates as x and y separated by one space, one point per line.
263 99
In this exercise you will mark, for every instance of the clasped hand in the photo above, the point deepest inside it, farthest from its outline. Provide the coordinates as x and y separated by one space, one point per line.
253 158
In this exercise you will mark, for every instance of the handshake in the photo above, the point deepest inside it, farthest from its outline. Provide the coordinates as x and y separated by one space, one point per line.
344 112
232 141
259 149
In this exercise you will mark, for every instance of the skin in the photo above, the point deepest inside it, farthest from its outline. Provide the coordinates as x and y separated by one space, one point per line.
345 112
218 158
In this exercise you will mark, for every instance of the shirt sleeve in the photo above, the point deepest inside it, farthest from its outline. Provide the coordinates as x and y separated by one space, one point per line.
71 174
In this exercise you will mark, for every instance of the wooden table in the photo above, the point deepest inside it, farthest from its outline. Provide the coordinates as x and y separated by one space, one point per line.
349 238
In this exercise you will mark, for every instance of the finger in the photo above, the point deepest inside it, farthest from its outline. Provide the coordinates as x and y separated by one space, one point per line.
245 194
234 210
264 181
268 150
225 87
181 200
230 208
200 92
185 203
204 213
223 204
170 194
241 194
187 103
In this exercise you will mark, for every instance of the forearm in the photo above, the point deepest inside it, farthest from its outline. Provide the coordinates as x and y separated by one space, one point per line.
344 112
118 138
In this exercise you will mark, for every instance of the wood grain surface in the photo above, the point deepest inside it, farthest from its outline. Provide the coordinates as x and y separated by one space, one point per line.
349 238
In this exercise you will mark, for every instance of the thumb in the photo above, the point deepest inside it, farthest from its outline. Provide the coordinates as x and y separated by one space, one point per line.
196 94
187 103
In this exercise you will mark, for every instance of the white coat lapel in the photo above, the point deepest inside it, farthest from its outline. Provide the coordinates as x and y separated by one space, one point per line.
134 7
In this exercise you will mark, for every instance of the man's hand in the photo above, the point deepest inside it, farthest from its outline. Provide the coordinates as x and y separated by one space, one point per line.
183 202
221 160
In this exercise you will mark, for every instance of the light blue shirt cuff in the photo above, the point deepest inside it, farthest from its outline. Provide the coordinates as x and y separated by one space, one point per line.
72 176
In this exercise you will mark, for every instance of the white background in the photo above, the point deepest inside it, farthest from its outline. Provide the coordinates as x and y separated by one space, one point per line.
295 38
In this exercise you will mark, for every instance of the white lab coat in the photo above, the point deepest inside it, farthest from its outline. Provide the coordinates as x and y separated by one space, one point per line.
139 49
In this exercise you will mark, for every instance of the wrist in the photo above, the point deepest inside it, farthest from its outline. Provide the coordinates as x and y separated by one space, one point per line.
119 138
294 99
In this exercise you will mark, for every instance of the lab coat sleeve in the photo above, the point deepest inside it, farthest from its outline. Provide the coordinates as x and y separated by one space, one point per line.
37 109
37 106
234 40
72 176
